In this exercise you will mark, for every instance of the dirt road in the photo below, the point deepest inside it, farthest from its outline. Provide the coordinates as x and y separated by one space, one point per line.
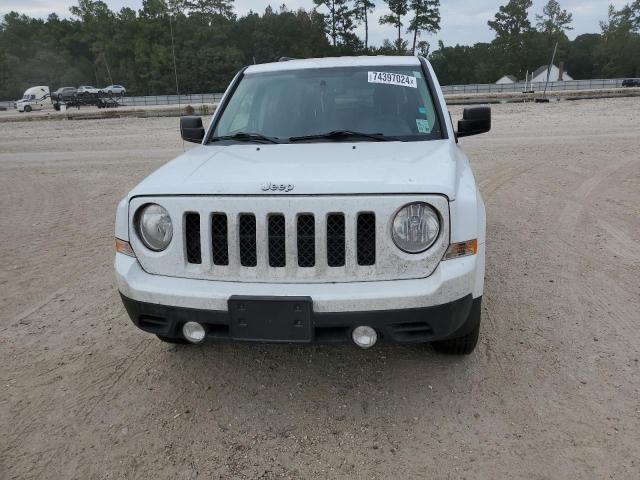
553 390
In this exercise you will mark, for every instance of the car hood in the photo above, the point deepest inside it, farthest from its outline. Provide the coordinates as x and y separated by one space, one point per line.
308 169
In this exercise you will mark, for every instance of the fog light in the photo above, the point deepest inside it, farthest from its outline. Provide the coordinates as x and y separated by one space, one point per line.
364 337
193 331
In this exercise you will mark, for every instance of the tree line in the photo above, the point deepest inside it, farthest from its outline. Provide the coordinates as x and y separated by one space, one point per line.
134 48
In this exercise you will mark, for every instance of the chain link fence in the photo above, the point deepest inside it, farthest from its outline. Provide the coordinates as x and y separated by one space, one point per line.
206 98
596 84
194 99
142 101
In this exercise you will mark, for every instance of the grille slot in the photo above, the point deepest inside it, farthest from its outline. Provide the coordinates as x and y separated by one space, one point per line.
192 237
411 331
335 240
306 241
277 251
154 324
247 234
366 239
219 239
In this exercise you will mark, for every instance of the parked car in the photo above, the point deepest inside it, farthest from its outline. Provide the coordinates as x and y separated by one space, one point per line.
631 82
115 90
34 98
64 93
87 89
329 201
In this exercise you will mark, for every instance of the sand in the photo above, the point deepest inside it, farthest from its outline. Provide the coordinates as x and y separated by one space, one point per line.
553 390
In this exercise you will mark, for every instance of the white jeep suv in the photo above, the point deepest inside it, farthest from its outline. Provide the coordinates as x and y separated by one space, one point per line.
328 201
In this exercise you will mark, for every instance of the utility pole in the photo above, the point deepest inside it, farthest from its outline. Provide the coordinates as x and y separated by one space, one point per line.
553 58
173 52
104 57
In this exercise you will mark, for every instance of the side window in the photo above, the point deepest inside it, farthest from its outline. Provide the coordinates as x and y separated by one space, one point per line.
237 114
427 119
240 121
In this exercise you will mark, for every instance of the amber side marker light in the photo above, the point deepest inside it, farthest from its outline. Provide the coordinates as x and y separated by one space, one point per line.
124 248
462 249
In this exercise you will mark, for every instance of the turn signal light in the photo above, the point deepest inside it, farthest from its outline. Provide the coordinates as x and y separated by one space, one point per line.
462 249
124 247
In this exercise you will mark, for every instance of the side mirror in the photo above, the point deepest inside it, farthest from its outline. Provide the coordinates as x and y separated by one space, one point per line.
475 120
191 129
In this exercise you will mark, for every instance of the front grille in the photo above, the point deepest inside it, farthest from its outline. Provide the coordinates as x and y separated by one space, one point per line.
277 239
247 234
288 239
192 237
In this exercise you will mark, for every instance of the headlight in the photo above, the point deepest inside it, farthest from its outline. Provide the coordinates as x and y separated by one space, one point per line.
415 227
154 226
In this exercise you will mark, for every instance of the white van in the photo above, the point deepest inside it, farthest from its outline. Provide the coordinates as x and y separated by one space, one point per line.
34 98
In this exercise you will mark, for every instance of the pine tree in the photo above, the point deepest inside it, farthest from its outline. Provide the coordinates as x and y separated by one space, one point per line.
339 20
554 20
426 18
362 8
513 34
399 9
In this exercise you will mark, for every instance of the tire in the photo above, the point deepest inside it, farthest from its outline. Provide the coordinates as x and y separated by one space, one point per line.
179 341
467 342
27 108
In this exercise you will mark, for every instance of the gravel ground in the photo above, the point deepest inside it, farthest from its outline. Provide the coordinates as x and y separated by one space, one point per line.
553 390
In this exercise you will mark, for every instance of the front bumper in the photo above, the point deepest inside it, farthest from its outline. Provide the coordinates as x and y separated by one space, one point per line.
412 325
421 310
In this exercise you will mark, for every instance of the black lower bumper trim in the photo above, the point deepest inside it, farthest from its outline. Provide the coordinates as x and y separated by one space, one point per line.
411 325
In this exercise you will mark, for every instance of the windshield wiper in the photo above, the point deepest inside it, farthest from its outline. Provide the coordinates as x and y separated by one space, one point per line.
246 137
337 134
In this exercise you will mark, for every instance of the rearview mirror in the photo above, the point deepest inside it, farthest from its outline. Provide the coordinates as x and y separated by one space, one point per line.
191 129
475 120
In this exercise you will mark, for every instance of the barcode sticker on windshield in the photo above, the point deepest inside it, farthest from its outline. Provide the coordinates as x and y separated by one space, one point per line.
393 79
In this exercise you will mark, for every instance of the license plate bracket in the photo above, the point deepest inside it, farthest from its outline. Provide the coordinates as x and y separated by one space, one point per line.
270 319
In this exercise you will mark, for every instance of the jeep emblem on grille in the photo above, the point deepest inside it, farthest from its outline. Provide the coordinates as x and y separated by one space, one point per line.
277 187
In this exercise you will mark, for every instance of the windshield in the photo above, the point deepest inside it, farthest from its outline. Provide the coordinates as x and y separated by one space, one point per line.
387 101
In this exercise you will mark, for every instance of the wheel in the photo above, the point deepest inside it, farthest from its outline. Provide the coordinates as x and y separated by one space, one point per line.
467 342
27 108
180 341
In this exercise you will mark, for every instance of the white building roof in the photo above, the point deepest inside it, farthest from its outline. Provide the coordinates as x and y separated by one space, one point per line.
540 75
507 79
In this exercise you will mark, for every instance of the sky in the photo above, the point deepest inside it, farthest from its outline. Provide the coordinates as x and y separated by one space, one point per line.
463 21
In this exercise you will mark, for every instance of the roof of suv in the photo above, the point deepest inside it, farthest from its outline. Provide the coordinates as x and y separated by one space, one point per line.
329 62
